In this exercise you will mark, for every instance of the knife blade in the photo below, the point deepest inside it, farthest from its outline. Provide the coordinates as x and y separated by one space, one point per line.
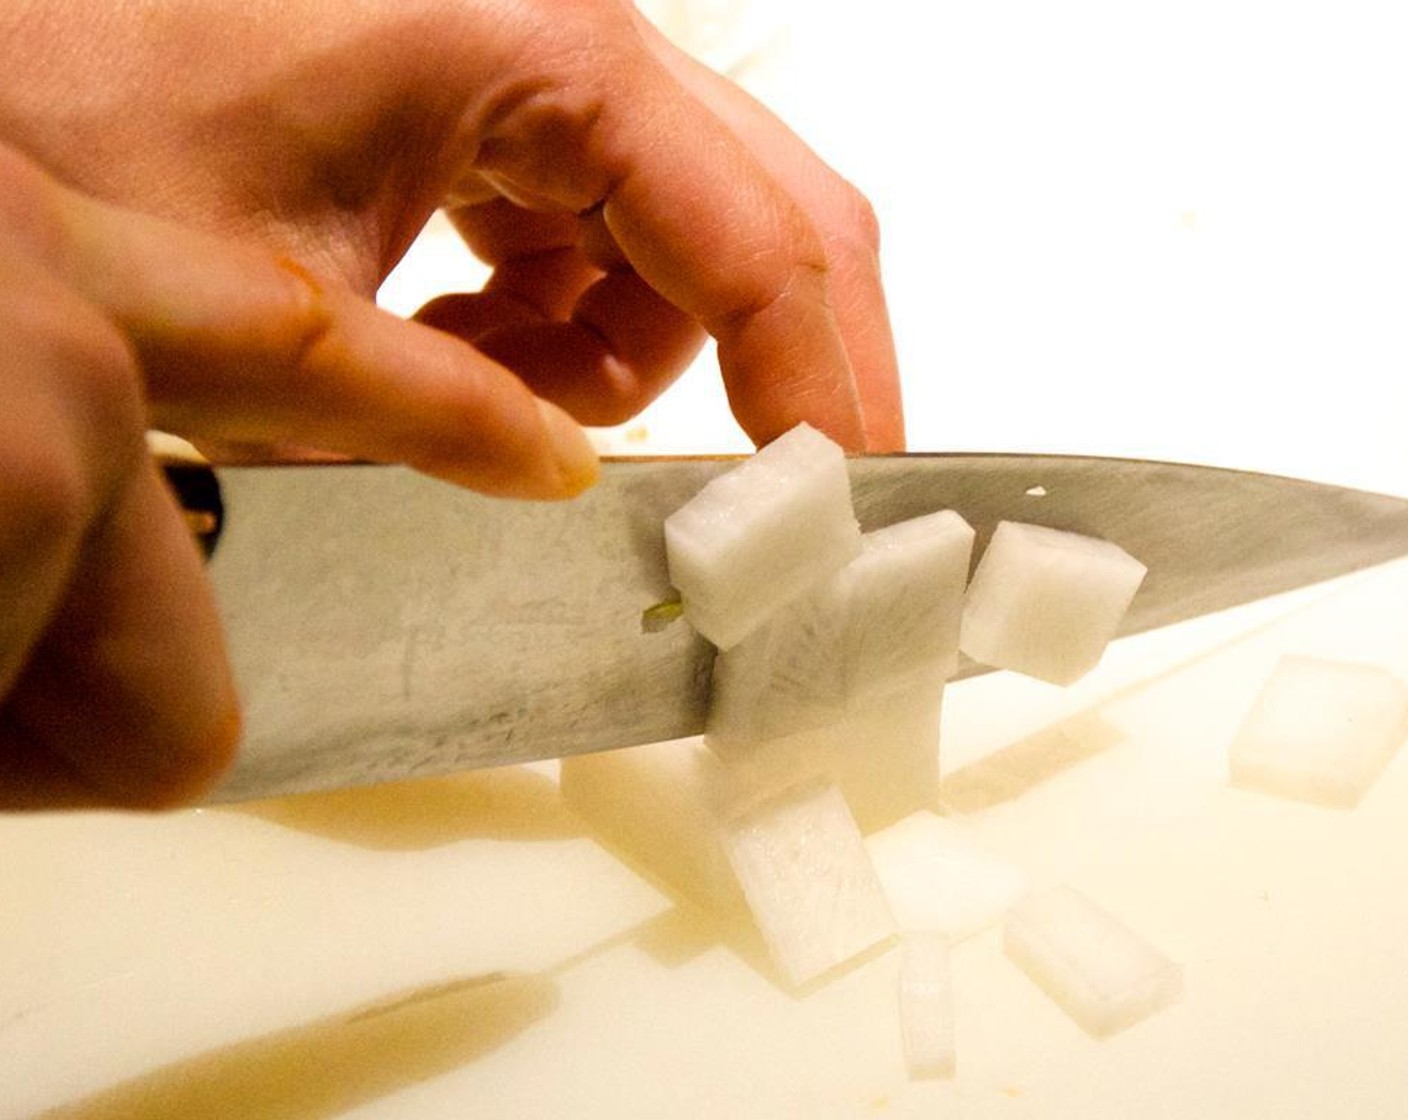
383 625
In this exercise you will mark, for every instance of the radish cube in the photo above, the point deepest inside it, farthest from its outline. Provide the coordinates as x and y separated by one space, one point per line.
883 754
904 601
757 537
937 877
926 1005
1101 973
804 870
890 614
661 807
1321 731
1045 602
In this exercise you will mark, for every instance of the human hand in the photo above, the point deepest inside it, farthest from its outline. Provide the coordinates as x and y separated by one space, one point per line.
627 198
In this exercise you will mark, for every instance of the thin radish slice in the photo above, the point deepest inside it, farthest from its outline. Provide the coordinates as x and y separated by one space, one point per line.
926 1006
1101 973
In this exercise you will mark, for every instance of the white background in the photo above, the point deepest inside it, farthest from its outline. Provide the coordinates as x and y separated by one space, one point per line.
1168 230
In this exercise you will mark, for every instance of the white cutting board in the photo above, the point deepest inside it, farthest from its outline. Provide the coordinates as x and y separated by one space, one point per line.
1164 231
458 948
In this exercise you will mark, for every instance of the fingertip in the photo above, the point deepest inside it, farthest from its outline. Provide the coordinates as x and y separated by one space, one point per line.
196 768
575 461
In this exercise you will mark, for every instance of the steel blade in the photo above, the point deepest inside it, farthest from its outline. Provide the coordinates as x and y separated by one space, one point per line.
384 625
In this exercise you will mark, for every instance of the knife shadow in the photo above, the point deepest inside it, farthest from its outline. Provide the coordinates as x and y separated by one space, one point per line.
504 803
324 1068
1013 770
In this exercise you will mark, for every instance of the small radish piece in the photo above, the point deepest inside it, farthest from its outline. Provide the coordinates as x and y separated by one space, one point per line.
1103 975
883 754
1320 731
892 613
926 1005
1045 602
904 601
661 807
937 877
804 870
755 538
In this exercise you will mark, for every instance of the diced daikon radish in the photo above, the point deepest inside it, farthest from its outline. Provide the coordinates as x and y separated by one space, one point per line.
1045 602
890 614
937 877
926 1005
904 601
1320 731
1101 973
812 891
661 806
883 755
757 537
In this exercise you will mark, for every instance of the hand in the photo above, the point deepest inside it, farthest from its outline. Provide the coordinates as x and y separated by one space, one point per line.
628 199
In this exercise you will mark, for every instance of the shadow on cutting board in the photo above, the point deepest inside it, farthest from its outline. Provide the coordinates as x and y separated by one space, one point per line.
324 1068
1008 773
506 803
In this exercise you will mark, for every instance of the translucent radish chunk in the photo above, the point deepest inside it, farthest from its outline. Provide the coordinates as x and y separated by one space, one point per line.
1046 603
757 537
926 1006
1101 973
891 614
883 754
661 807
804 870
904 601
936 876
1320 731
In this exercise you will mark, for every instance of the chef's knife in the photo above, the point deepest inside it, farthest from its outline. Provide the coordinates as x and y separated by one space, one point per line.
384 625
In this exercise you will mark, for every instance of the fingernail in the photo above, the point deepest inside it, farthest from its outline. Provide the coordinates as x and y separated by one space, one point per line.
573 454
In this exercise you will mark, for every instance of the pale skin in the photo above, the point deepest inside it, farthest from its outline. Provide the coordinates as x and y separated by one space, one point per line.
198 201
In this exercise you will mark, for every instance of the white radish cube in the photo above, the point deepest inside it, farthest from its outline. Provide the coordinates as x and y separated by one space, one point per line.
937 876
904 601
1046 603
808 880
661 807
1320 731
1103 975
786 676
889 615
757 537
926 1006
883 754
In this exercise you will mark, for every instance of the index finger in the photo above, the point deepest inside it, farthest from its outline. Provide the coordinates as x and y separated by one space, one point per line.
695 214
